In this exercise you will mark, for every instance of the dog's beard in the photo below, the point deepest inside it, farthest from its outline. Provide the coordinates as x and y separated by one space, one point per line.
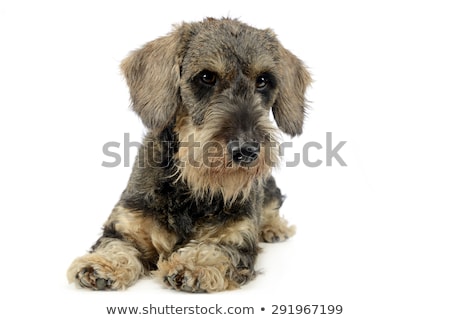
205 166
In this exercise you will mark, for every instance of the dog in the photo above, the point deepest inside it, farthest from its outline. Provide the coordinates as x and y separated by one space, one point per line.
201 195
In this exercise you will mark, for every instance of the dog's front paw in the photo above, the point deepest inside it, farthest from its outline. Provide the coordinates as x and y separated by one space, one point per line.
276 232
89 278
92 273
193 278
99 272
185 280
197 268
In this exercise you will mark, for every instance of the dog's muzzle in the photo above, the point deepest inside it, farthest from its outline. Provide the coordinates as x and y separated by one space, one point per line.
243 153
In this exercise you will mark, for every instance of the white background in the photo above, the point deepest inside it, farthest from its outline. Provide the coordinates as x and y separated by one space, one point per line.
372 236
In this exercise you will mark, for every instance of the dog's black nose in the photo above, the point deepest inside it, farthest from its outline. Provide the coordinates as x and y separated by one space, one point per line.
243 152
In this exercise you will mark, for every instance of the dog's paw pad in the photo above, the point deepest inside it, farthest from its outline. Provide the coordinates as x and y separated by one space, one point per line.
182 281
103 284
88 278
276 234
269 236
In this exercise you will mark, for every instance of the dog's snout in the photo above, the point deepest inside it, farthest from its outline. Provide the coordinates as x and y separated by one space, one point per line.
243 152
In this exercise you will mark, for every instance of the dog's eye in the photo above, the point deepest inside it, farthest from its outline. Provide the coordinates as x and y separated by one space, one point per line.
262 81
208 77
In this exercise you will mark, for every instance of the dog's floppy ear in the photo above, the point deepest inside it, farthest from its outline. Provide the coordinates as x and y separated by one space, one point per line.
289 107
153 75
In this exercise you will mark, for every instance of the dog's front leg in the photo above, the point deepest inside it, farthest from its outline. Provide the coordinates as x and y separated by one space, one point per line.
220 258
113 264
130 245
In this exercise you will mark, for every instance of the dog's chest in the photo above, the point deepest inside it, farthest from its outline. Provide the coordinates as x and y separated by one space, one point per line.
185 214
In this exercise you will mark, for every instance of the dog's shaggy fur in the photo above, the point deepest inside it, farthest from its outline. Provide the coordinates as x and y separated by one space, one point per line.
201 195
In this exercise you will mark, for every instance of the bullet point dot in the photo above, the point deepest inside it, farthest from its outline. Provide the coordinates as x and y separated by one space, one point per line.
263 309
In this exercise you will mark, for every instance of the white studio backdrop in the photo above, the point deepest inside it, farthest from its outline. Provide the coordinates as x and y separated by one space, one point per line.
372 236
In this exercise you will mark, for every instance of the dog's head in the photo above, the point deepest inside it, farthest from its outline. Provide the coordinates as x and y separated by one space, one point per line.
218 80
200 60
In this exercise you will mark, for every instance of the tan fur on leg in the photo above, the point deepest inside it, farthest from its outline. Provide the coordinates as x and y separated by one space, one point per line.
211 262
201 267
113 265
198 267
274 228
144 231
